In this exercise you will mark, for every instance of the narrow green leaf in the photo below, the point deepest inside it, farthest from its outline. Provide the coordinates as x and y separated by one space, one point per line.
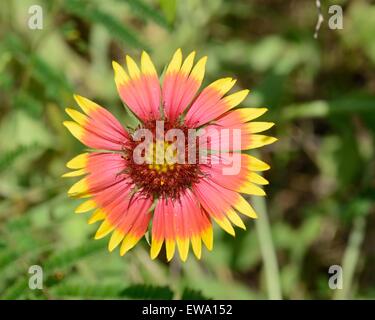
116 28
16 289
80 290
145 11
142 291
8 158
321 108
169 9
7 257
192 294
69 257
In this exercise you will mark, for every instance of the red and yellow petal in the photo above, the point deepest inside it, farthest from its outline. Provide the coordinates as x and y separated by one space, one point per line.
138 88
217 138
211 104
181 83
98 215
233 172
177 223
138 229
126 216
86 206
97 128
102 172
239 116
78 162
233 132
220 204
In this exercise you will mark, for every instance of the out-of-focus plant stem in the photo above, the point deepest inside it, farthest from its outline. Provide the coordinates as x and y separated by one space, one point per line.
267 249
350 259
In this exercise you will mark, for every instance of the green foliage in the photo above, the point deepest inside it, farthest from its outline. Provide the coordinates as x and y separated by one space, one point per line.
139 291
169 9
7 257
69 257
115 27
191 294
146 11
147 292
9 157
15 290
79 290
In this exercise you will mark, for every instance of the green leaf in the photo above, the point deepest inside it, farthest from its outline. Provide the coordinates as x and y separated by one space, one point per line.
169 9
145 11
16 289
29 103
321 108
115 27
191 294
7 257
7 158
69 257
79 290
142 291
46 74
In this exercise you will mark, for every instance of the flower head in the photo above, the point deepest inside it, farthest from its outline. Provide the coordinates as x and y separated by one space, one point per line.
179 170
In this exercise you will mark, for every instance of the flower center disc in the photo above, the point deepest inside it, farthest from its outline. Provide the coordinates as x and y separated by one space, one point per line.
162 174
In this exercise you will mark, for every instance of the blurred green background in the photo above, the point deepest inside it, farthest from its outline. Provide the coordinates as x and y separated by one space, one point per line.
320 92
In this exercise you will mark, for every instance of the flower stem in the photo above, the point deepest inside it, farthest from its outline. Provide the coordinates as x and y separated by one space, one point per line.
350 259
267 249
